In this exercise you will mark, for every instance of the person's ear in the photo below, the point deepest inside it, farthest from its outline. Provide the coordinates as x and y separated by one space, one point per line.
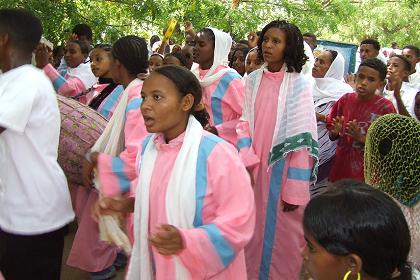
354 264
187 102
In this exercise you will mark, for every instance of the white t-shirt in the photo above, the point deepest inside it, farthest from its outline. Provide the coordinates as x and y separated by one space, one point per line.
408 96
415 77
34 197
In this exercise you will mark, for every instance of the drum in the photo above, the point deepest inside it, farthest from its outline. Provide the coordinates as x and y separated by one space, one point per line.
81 126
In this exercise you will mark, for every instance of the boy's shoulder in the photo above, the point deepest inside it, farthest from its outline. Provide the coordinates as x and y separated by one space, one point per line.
28 77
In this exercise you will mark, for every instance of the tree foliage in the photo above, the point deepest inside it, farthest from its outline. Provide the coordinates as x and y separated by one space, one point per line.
342 20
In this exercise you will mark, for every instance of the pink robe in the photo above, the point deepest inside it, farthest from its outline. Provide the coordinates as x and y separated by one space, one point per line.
224 101
225 217
275 249
88 252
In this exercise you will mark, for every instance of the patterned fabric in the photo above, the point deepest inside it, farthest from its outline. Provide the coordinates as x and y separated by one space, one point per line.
295 121
80 128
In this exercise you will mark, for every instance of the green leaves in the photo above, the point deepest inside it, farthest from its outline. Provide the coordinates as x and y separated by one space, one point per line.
343 20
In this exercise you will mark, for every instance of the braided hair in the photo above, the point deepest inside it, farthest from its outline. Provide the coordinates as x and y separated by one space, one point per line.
132 52
294 55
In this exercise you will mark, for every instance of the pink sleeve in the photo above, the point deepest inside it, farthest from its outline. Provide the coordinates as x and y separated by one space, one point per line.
67 87
297 175
232 106
244 145
116 173
225 216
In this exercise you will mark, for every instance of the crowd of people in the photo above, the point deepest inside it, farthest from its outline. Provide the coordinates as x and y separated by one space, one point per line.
219 160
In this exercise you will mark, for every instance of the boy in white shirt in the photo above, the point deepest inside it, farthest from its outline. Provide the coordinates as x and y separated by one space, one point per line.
35 205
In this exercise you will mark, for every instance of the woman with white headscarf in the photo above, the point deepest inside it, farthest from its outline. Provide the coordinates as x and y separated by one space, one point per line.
328 87
223 87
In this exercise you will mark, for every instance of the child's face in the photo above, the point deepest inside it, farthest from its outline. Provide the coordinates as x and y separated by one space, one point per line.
73 55
411 55
417 106
203 51
367 81
321 264
274 46
239 62
252 62
396 69
322 64
154 62
171 60
368 51
100 63
163 108
188 52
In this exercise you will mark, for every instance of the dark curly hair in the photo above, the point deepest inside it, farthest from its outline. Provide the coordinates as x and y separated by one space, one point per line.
294 55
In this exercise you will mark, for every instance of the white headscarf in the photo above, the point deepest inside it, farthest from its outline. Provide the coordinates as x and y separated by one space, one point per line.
222 45
332 86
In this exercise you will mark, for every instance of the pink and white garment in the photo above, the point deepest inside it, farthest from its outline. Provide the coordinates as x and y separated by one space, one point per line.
210 202
223 89
277 142
116 172
89 253
74 83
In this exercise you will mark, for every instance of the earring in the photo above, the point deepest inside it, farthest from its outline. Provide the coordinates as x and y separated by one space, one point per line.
348 273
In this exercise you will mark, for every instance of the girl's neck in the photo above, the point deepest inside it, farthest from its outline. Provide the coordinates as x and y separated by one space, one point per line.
275 66
206 66
105 80
127 79
175 131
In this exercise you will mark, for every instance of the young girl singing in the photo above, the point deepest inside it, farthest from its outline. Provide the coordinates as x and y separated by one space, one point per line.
193 207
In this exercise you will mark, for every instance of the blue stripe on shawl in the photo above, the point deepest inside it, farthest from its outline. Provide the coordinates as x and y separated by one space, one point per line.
144 145
299 174
223 248
110 101
58 82
133 104
219 93
117 166
208 142
244 142
271 218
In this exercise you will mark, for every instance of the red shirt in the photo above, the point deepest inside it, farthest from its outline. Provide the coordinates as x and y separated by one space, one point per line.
348 162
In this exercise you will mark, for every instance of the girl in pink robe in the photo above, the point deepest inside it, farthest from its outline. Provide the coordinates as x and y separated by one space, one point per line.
194 206
223 87
89 253
277 141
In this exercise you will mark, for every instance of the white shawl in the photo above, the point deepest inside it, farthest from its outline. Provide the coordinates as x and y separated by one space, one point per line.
84 73
222 45
111 142
295 122
180 201
331 87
